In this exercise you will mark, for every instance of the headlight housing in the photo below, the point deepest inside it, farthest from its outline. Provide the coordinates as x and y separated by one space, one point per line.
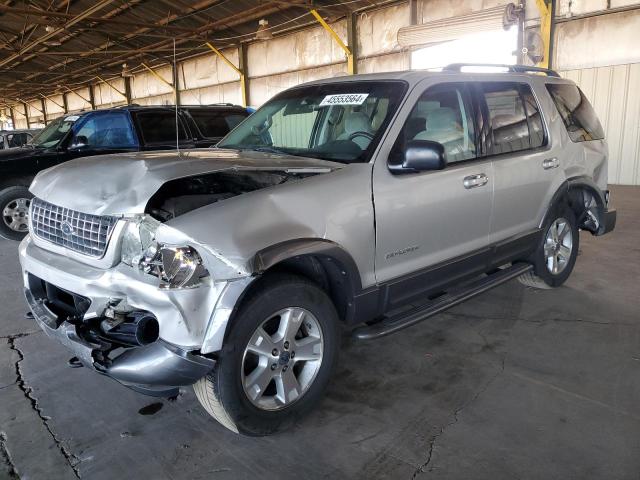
176 267
181 268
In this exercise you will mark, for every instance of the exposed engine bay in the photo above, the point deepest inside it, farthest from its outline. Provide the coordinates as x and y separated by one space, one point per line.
183 195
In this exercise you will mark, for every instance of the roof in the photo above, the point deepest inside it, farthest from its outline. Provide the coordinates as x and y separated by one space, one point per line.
141 108
414 76
50 46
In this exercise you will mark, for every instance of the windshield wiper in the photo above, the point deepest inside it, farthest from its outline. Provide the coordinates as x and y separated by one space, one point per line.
265 149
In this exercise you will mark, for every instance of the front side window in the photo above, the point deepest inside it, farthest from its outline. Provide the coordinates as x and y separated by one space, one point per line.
160 127
442 114
216 124
577 113
110 130
337 121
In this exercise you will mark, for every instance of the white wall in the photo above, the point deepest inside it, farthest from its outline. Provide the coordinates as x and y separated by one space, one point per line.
611 39
377 37
106 96
601 54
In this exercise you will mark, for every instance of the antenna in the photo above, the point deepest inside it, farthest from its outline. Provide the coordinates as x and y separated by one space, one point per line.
175 95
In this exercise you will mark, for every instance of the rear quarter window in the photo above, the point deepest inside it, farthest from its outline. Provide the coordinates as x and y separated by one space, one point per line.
577 113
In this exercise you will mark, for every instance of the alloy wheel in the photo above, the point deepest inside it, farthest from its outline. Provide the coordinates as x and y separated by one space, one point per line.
558 246
16 214
282 358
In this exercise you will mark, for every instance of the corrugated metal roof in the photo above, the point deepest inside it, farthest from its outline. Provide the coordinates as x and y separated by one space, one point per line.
52 45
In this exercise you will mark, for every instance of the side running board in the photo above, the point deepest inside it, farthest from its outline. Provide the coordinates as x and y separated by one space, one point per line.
453 297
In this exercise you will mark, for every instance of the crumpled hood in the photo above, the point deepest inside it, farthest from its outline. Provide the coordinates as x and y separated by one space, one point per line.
123 184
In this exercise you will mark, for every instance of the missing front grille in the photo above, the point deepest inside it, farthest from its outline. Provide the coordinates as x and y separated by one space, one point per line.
64 304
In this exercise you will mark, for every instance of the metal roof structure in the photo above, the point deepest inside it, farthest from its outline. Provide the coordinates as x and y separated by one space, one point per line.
49 46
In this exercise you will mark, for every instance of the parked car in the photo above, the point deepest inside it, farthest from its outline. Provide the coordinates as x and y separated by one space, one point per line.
371 201
125 129
16 138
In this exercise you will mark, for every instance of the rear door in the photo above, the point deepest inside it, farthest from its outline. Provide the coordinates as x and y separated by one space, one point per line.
524 166
157 130
433 226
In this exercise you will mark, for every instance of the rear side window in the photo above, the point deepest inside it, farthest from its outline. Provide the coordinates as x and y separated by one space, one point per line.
507 116
160 127
215 124
536 127
577 113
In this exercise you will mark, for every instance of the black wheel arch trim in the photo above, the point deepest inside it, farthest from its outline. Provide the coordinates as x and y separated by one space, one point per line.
338 264
584 182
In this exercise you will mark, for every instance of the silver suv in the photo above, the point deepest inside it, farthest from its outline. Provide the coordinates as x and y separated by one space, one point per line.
371 202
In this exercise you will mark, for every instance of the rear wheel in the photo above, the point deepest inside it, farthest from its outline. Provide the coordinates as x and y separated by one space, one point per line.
14 208
277 359
555 257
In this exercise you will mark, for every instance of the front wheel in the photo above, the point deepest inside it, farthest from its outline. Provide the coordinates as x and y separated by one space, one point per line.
277 358
555 257
14 208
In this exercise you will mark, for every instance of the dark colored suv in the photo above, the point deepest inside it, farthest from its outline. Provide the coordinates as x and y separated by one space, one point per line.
98 132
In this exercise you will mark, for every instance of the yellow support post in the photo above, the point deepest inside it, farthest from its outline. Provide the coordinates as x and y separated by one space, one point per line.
336 37
545 31
243 85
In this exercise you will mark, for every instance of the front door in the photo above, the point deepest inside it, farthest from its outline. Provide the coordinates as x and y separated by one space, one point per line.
437 218
101 133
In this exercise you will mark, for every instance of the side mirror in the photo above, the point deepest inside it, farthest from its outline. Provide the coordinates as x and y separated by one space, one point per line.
419 156
80 141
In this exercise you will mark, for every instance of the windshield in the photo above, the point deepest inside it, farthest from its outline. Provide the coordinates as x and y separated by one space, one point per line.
340 121
54 132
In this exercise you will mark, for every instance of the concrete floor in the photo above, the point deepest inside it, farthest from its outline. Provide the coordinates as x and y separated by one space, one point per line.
516 383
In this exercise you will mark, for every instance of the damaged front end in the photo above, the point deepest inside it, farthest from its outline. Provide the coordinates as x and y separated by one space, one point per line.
109 275
152 321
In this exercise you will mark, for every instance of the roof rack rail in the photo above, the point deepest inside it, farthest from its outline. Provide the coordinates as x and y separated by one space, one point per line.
457 67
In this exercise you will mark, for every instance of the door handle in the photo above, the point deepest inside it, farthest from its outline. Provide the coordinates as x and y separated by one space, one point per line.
473 181
550 163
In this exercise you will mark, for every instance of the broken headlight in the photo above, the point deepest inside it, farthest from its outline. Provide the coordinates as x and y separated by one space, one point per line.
176 267
137 238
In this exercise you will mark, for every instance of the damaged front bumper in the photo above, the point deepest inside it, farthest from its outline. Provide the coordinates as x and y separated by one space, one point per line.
156 369
69 300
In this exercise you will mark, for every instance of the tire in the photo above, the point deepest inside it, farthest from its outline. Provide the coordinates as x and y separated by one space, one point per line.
225 391
547 274
14 208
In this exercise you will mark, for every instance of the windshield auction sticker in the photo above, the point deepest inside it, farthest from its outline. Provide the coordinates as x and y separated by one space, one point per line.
344 99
